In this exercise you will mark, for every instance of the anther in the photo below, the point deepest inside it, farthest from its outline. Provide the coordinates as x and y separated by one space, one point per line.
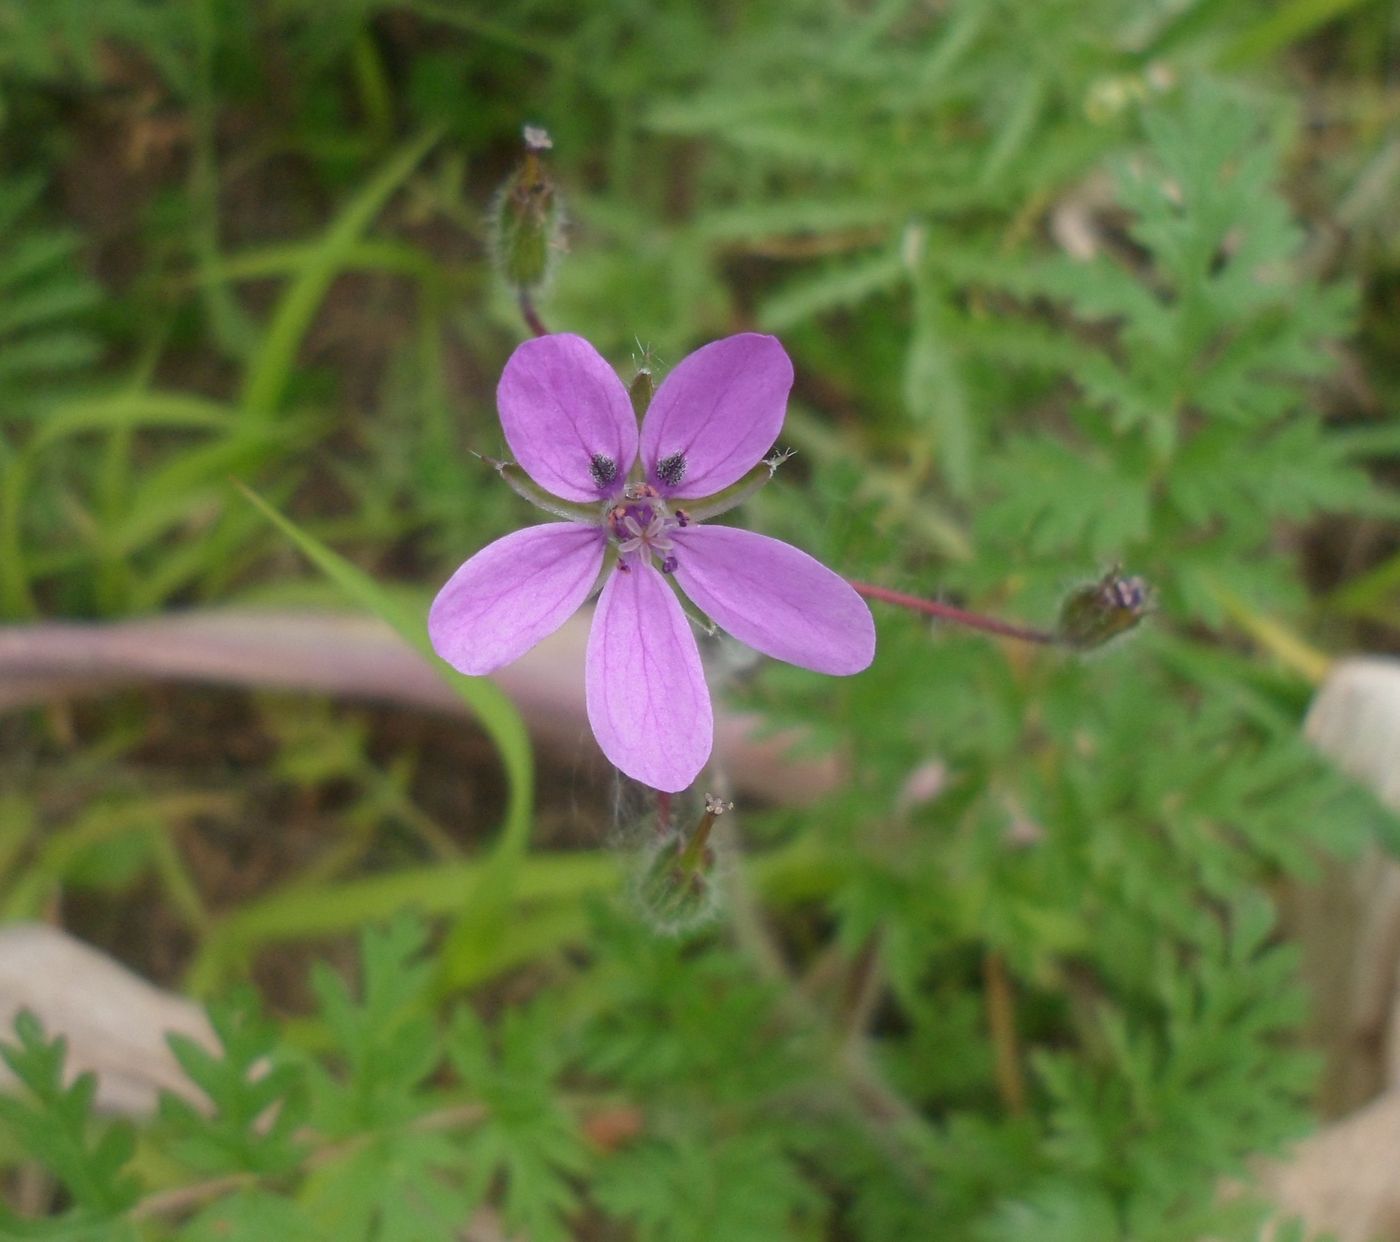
603 469
671 469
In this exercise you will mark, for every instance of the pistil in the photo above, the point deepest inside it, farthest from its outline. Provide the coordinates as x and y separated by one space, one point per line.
642 525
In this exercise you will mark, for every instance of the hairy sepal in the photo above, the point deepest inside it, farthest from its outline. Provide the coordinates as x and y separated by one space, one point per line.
736 493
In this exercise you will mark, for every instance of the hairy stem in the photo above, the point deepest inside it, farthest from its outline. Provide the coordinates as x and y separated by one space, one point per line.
531 315
956 616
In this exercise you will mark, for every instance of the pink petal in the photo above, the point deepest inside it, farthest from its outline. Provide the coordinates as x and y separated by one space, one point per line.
716 414
513 593
564 411
647 699
775 598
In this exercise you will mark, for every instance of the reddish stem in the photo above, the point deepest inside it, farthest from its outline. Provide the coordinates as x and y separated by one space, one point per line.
957 616
531 315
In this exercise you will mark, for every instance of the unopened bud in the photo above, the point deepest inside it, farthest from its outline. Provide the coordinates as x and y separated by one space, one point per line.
528 218
1094 614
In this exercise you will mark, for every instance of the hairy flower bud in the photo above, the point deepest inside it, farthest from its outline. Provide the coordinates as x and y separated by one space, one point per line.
1095 613
528 218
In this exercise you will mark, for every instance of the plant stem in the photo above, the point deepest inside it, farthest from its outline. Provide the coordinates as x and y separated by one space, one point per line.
531 315
956 616
1001 1025
892 1122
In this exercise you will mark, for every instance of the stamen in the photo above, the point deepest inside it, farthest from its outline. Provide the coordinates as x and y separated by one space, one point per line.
641 527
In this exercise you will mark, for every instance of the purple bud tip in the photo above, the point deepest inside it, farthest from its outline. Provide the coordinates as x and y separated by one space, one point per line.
1095 613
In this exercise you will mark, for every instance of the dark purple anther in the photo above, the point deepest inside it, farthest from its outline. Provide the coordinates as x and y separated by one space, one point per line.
671 469
668 566
603 469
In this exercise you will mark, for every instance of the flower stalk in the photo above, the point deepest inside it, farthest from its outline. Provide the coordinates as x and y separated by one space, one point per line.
1090 616
955 616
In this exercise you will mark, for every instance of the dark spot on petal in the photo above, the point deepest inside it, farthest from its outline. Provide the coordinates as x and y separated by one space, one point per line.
603 469
671 470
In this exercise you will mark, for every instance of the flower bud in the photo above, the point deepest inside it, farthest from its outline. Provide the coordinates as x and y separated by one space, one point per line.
1095 613
528 218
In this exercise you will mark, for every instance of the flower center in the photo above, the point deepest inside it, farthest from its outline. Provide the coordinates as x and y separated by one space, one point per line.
641 527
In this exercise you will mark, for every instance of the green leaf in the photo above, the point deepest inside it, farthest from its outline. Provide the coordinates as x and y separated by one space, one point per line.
253 1216
840 286
53 1123
256 1096
694 1188
527 1138
386 1036
934 391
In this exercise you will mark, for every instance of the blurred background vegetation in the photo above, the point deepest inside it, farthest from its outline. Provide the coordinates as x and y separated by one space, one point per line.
1065 284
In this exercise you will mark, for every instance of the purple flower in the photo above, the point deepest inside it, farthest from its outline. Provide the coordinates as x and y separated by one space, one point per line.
634 505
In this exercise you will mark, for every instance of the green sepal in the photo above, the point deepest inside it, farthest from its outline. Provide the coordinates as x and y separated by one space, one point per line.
523 485
640 393
733 495
697 618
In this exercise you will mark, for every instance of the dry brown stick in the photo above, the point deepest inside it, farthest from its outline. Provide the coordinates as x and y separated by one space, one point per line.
354 657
